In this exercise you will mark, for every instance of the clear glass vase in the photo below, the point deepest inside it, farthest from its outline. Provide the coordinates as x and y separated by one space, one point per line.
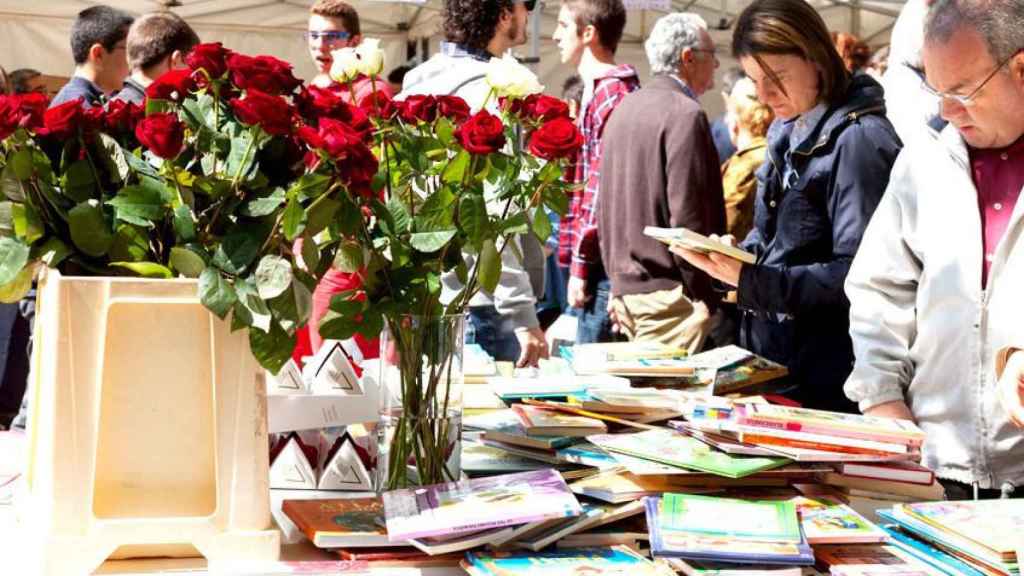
420 429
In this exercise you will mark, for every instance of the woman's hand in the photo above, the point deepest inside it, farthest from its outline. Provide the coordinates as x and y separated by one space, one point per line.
719 266
1011 387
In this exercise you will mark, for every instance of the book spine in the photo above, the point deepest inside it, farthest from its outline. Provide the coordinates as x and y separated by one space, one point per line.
824 440
477 527
791 426
754 438
919 477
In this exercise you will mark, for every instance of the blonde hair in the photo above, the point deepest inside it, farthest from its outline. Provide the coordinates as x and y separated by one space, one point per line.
751 114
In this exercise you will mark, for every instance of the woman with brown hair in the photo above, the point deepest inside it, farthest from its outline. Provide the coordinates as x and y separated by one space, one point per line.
830 151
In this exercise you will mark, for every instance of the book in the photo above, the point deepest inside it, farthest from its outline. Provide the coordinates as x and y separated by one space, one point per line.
726 530
928 554
994 524
826 520
697 242
478 504
625 420
909 472
600 352
586 454
963 548
633 400
820 442
450 543
628 359
669 447
933 491
823 422
614 561
593 515
340 522
699 568
721 442
543 422
617 485
398 557
477 364
505 426
479 458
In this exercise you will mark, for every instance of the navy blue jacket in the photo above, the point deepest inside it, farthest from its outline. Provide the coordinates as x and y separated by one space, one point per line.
794 309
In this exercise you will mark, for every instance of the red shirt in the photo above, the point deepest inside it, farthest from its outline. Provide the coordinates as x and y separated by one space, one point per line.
998 175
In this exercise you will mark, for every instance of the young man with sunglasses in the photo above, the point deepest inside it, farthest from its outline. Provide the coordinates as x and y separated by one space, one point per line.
935 288
334 25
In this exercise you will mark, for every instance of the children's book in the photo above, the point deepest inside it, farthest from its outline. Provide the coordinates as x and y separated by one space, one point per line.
505 426
629 359
674 449
543 422
479 458
340 522
614 561
586 454
998 525
697 242
944 560
793 419
617 485
449 543
826 520
963 548
593 515
699 568
478 504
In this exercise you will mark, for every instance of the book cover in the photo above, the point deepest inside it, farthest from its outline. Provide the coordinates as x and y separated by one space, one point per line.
450 543
697 242
826 520
614 561
933 491
540 421
995 524
928 554
909 472
743 520
505 426
699 568
398 557
831 423
479 458
478 504
593 515
962 547
675 449
340 522
586 454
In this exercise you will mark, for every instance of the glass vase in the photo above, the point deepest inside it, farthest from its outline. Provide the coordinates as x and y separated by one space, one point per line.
420 429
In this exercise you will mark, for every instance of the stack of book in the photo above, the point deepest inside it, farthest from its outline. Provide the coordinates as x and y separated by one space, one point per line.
618 560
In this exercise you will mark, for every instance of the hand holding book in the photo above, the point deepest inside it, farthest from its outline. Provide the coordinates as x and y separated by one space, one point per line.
717 256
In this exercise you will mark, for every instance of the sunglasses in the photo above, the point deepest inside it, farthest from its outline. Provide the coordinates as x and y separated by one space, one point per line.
328 36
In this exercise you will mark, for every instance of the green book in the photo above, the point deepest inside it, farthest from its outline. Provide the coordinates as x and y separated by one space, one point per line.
675 449
757 520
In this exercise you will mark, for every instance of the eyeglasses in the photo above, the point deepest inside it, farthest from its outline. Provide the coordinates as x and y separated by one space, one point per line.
961 99
329 36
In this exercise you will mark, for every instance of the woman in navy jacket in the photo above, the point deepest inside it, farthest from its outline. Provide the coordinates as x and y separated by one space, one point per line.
830 151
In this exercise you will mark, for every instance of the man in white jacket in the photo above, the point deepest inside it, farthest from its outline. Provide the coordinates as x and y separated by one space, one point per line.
935 288
504 323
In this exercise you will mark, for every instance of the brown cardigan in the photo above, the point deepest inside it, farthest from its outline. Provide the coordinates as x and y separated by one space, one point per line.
659 167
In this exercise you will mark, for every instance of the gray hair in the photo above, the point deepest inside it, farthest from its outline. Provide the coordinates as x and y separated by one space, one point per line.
672 34
999 22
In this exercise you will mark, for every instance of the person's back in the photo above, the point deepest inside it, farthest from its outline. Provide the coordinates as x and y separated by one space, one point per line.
99 47
156 44
739 182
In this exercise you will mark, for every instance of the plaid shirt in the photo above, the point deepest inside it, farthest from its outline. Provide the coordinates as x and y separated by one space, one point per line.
578 240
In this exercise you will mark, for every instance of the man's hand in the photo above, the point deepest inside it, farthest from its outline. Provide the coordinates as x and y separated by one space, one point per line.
532 347
894 409
1011 387
577 292
719 266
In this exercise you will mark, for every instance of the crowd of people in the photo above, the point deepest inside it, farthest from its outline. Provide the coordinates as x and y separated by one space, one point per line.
882 214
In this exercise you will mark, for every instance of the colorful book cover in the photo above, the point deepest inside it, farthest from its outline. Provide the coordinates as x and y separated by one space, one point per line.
763 521
479 458
826 520
340 522
540 421
614 561
834 423
996 524
505 426
674 542
675 449
956 544
587 454
478 504
928 554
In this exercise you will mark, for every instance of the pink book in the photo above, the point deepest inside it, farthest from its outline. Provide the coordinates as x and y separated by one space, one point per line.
810 421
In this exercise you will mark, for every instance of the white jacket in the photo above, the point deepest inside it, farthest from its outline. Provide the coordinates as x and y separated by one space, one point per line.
923 328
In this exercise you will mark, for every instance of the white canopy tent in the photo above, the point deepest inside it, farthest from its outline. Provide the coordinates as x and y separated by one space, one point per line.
35 33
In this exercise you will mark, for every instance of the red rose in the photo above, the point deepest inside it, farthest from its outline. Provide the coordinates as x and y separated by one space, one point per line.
264 73
314 102
172 85
418 108
10 116
211 57
339 139
63 122
378 105
272 113
358 169
122 116
33 107
453 108
544 108
482 134
558 138
163 134
92 119
513 106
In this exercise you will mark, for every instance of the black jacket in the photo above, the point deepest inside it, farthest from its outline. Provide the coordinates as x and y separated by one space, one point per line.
794 308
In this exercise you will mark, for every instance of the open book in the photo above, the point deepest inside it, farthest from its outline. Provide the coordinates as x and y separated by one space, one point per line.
697 242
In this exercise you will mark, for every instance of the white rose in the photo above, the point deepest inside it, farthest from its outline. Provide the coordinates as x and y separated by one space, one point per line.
345 66
371 57
511 79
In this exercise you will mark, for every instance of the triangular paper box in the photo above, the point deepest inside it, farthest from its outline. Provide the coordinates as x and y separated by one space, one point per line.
333 372
288 380
291 468
344 469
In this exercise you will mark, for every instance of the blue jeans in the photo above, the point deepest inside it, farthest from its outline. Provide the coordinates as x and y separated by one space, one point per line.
493 333
594 323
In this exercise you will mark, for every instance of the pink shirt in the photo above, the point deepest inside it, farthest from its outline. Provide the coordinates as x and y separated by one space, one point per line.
998 175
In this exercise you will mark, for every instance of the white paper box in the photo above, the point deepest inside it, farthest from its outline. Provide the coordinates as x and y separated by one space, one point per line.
292 469
311 411
345 470
287 381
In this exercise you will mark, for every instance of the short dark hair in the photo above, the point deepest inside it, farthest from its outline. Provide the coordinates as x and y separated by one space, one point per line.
341 10
397 75
156 36
19 79
572 89
608 17
473 22
795 28
101 25
999 22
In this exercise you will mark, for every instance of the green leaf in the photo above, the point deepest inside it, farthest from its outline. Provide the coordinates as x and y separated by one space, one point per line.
489 266
541 225
11 186
519 223
238 249
551 172
140 205
216 293
291 309
18 288
320 214
27 224
399 215
184 225
21 164
309 186
79 182
131 244
445 132
473 217
437 211
154 106
371 326
293 221
89 229
53 252
455 171
273 348
6 219
242 158
13 257
273 276
335 326
310 253
349 257
556 199
187 262
257 307
114 158
140 166
146 269
263 206
431 241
